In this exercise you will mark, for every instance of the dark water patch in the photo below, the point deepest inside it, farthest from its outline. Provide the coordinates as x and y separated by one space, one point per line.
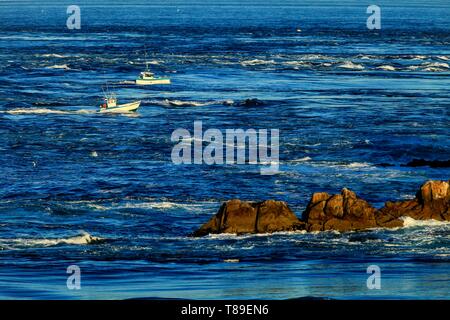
428 163
251 102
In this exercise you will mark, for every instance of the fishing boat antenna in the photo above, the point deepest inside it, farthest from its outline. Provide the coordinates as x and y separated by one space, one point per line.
108 93
146 61
103 90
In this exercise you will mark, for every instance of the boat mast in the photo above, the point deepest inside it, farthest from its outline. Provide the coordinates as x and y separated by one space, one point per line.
146 62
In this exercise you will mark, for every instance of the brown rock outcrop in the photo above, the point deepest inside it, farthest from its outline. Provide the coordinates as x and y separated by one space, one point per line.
236 216
341 212
432 202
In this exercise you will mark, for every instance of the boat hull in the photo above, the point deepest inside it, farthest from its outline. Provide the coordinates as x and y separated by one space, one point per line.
123 108
153 81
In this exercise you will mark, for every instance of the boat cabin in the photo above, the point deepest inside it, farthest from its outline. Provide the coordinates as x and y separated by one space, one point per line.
109 102
146 75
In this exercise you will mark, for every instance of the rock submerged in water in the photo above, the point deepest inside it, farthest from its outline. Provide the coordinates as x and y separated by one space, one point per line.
236 216
340 212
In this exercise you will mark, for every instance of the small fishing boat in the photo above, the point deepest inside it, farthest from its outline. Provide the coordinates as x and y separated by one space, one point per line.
147 78
110 105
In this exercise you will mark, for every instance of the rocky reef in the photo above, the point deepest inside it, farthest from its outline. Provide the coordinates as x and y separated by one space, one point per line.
341 212
236 216
344 212
432 202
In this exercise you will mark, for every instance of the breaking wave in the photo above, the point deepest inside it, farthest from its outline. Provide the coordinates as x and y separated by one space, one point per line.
333 164
83 238
229 236
160 205
430 67
387 68
59 66
186 103
409 222
52 55
298 63
304 159
351 66
256 62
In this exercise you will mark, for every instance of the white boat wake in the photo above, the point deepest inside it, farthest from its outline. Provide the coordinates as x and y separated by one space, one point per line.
20 111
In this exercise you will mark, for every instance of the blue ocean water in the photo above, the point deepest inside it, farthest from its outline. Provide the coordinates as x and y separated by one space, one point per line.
345 99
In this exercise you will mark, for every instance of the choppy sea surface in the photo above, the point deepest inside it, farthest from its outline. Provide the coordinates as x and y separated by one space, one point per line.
352 106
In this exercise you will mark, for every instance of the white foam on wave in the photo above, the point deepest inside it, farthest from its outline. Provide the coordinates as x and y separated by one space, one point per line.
409 222
418 57
59 66
304 159
350 65
163 205
313 145
358 165
313 56
20 111
52 55
387 68
431 67
351 165
159 205
298 63
155 205
186 103
152 62
35 111
256 62
366 57
434 69
180 103
97 207
228 236
84 238
436 64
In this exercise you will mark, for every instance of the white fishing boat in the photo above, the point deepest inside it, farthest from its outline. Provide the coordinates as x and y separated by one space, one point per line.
110 105
148 78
